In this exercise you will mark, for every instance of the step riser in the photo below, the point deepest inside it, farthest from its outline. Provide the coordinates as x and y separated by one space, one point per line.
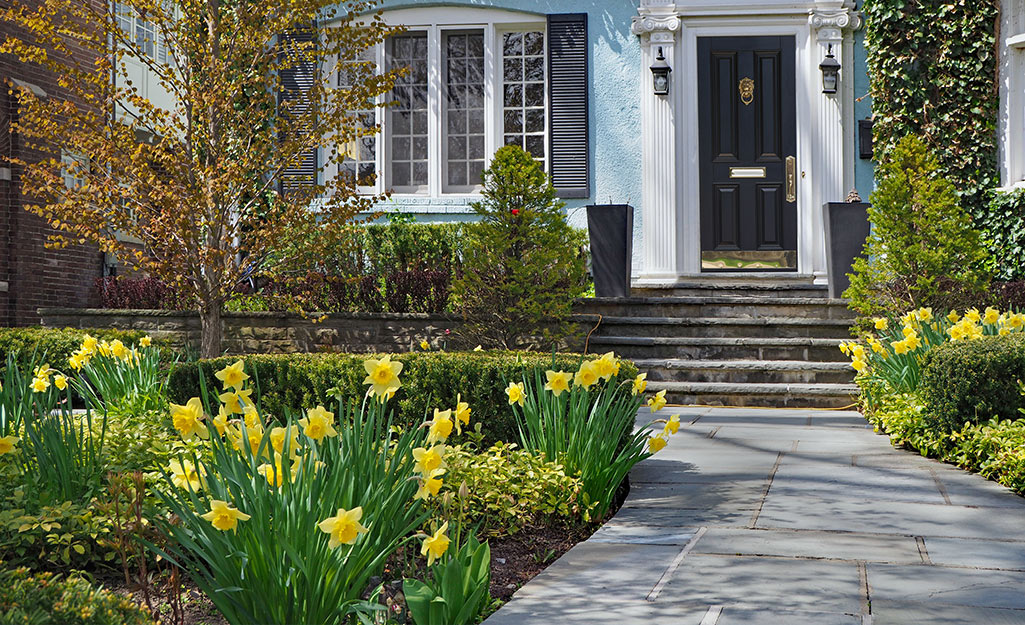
722 352
718 309
772 401
736 291
724 331
748 376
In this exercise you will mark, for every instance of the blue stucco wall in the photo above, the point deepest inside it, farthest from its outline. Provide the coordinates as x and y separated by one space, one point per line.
864 170
615 119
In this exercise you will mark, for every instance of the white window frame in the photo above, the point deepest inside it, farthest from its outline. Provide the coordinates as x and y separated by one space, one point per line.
68 159
1013 95
435 21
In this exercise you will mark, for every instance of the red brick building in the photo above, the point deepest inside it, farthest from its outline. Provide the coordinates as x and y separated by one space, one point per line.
32 276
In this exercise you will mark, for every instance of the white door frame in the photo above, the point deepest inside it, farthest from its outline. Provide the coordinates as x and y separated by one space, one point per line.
825 123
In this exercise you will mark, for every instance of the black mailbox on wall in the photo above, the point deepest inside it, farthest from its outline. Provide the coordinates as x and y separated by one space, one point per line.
865 138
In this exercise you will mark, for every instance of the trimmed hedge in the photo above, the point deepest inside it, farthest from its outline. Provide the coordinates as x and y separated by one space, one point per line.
973 381
430 380
44 599
55 343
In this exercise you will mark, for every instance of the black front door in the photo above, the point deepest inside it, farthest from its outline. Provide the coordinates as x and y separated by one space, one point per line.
748 149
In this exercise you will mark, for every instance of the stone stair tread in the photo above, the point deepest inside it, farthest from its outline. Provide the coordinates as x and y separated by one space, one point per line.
716 299
710 321
738 388
756 365
701 340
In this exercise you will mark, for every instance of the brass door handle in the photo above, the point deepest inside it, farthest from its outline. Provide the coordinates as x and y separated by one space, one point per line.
791 179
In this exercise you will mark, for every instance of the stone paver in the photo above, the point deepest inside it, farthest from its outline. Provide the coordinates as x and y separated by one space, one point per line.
790 517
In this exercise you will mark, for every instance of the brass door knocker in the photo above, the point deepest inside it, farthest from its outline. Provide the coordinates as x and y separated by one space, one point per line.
747 90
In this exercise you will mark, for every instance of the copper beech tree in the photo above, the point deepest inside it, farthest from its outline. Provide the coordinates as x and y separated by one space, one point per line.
218 186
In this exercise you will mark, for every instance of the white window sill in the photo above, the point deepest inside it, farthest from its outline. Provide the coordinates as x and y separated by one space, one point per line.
1017 41
1014 186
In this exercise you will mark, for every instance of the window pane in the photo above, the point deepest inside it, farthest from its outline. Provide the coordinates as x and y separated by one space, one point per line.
408 141
524 92
359 154
463 66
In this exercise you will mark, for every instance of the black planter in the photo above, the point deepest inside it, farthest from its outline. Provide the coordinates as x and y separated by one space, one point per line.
847 228
610 228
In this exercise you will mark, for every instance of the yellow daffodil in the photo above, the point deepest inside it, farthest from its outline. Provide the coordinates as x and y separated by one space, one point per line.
75 361
1004 331
973 315
859 365
276 473
184 475
881 323
910 318
430 485
672 425
858 351
558 381
43 371
424 345
145 341
1017 321
224 516
39 385
515 393
118 349
877 347
640 383
656 444
912 341
319 423
7 444
441 426
60 382
587 375
220 421
427 460
478 349
383 375
188 419
249 414
344 528
462 413
974 332
233 376
278 436
899 347
845 348
991 316
606 366
925 314
89 344
435 546
953 316
658 402
236 401
907 330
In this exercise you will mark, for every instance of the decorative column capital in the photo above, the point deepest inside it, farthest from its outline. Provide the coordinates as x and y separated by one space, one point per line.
657 28
829 24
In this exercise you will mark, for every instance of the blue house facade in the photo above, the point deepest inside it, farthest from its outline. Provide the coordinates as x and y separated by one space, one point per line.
727 167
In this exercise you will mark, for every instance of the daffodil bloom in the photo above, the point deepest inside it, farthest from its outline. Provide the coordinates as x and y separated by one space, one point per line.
278 436
430 485
39 385
606 366
424 345
318 423
877 347
973 315
234 401
7 444
89 344
75 361
672 425
224 516
478 349
275 474
640 383
1003 331
899 347
43 371
974 332
103 348
249 415
953 316
881 323
60 382
254 435
462 413
233 376
441 426
587 375
184 475
925 314
188 419
991 316
344 527
907 330
220 421
956 332
845 349
383 375
859 365
912 341
145 341
658 402
656 444
858 351
515 393
118 349
558 381
427 460
1017 321
435 546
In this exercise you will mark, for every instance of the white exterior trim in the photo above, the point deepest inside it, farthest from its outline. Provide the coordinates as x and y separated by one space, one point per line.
825 136
1011 146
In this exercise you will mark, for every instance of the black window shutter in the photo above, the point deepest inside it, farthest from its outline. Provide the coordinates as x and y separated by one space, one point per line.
296 81
567 96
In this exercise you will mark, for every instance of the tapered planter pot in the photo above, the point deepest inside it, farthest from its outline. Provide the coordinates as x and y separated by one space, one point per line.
847 227
610 228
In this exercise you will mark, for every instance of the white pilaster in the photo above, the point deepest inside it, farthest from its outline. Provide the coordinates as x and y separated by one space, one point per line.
657 26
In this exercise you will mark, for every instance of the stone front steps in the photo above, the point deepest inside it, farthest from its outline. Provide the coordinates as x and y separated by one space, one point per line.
753 341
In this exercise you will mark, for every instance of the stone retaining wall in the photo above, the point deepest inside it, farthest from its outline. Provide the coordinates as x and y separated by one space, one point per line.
272 332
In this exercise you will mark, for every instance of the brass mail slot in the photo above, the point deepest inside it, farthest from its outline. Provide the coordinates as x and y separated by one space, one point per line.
747 172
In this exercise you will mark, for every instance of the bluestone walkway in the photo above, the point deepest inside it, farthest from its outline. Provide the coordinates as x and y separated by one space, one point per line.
790 517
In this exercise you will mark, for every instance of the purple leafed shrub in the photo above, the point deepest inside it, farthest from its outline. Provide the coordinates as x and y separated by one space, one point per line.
122 292
421 291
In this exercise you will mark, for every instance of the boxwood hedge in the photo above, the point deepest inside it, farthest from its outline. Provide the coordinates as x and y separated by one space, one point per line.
290 382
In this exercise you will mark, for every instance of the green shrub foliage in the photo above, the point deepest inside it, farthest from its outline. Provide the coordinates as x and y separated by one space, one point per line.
429 380
54 346
522 261
932 68
922 250
45 599
973 381
1003 232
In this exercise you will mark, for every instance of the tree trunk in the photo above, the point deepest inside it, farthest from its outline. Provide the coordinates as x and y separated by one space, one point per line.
210 321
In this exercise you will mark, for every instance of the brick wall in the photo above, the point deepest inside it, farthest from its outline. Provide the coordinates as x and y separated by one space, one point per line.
35 276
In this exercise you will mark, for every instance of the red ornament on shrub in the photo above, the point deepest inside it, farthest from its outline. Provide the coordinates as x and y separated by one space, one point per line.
515 211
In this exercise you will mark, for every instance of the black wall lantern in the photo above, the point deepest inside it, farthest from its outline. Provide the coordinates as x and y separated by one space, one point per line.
660 74
830 68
